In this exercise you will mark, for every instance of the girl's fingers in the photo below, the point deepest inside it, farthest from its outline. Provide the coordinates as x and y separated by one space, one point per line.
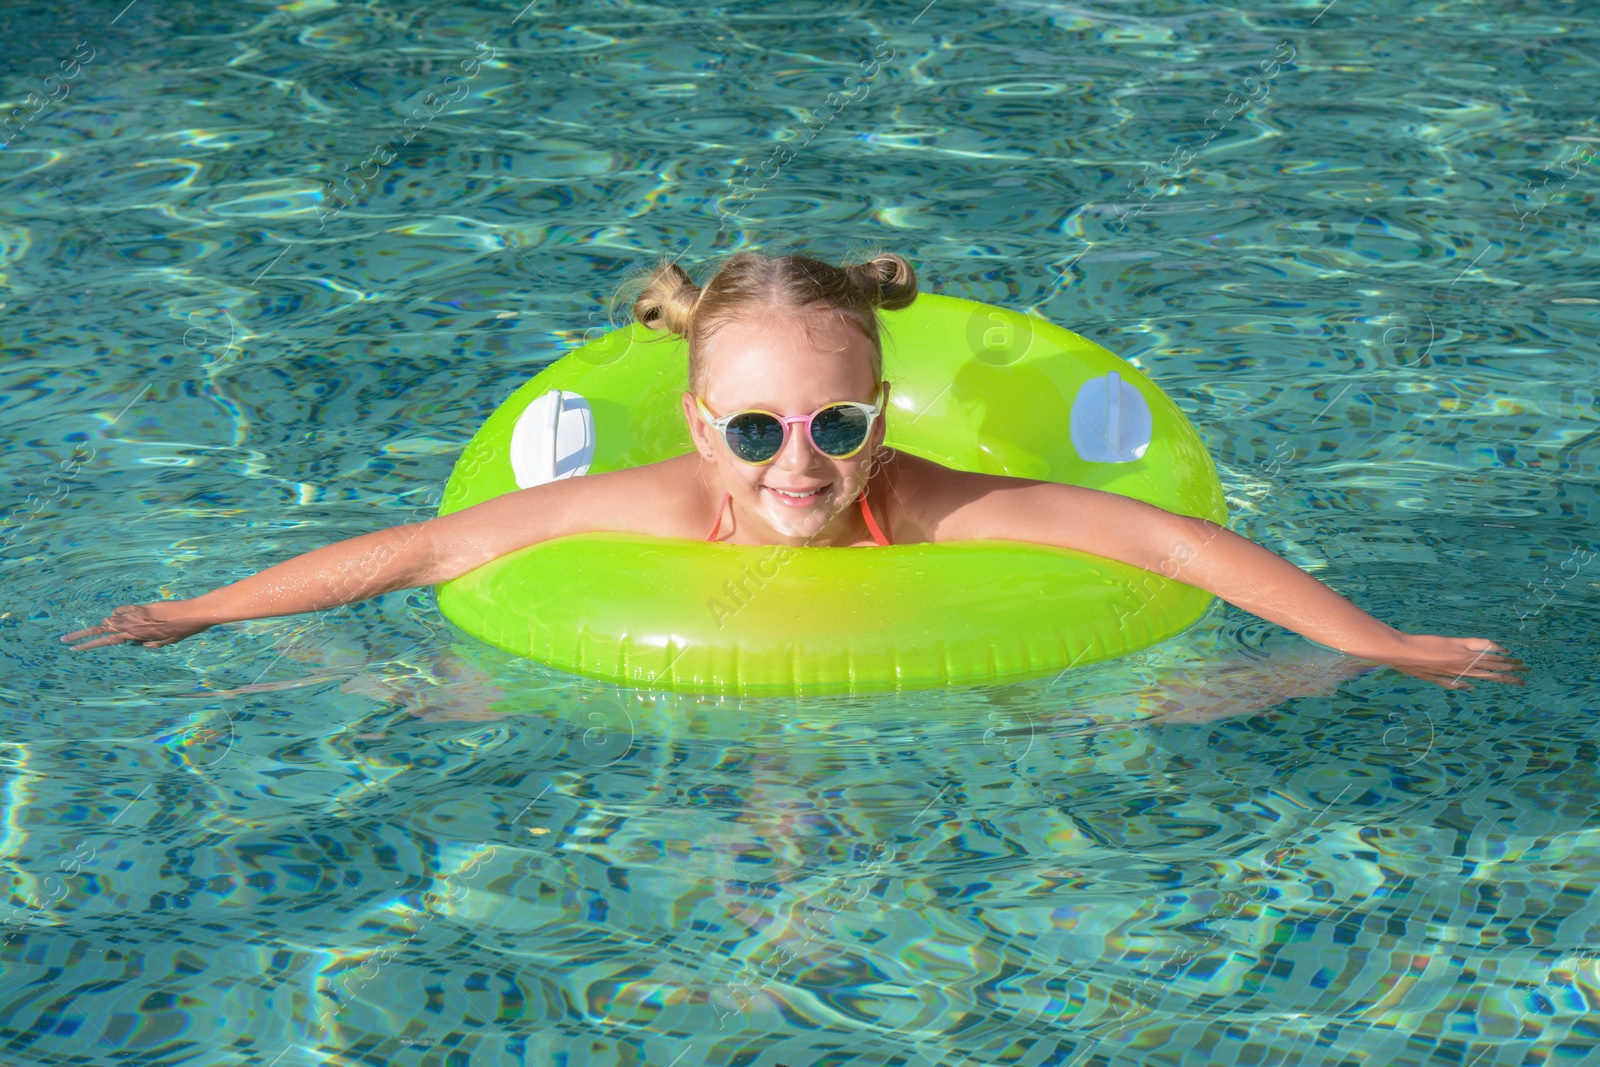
110 639
1505 673
1488 669
1503 662
1447 681
1457 679
125 624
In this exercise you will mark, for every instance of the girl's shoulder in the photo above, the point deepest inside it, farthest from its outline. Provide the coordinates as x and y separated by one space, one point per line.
922 493
667 498
664 499
928 501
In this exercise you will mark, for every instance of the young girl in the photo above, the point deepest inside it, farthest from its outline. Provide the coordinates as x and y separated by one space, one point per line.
794 335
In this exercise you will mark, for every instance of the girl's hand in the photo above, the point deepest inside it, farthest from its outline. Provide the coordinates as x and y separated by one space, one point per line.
1448 661
1242 686
150 625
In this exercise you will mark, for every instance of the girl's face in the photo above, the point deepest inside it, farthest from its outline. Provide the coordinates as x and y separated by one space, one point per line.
788 363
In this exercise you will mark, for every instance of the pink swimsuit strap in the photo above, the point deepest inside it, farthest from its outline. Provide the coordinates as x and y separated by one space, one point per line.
866 513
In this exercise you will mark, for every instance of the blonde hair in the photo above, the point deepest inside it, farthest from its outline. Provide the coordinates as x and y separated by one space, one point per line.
752 281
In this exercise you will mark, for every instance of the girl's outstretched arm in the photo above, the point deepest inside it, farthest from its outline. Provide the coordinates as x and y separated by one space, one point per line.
397 558
1201 553
401 557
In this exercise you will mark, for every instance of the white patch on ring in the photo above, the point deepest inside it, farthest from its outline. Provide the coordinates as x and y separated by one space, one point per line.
553 439
1111 421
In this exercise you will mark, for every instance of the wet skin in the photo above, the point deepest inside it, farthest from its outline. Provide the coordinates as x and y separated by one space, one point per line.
792 363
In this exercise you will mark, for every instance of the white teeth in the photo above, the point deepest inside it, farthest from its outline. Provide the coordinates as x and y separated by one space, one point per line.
797 496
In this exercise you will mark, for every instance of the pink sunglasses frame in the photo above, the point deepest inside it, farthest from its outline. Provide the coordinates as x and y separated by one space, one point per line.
873 410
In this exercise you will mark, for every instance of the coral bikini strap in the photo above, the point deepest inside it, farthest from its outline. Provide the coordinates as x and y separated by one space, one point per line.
872 523
866 513
712 536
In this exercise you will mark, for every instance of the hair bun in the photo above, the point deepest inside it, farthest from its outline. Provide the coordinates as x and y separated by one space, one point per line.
668 300
887 279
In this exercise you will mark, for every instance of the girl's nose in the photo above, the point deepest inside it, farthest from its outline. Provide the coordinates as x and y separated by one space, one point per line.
797 453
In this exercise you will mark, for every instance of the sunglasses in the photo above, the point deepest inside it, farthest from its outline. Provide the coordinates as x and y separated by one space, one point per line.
837 430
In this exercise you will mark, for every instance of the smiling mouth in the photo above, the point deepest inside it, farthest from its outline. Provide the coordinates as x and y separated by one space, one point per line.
793 498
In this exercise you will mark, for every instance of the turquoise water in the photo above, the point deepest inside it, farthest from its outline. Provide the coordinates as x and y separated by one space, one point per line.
1369 275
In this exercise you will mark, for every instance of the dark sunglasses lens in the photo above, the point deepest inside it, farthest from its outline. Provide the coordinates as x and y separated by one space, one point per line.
754 437
839 430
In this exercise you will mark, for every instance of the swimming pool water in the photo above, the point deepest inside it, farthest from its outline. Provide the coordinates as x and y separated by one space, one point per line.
1356 241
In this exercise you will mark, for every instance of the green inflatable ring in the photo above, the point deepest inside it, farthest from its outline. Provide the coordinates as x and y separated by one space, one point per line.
975 387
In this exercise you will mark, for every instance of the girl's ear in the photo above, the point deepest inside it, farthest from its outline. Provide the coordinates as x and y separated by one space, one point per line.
699 432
